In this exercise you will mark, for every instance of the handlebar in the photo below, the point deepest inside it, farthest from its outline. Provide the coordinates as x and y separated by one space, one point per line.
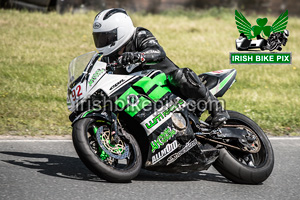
111 67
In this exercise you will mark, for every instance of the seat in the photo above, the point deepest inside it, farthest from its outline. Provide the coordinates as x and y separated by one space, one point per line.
218 82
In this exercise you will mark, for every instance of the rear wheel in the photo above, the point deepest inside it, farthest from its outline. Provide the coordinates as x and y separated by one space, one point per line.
246 167
119 162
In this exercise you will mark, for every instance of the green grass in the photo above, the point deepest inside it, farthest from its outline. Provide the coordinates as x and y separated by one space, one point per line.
36 49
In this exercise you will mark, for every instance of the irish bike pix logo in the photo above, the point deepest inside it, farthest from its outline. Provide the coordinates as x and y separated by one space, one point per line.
262 42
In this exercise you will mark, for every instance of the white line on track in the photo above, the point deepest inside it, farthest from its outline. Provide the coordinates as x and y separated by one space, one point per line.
284 138
49 140
35 140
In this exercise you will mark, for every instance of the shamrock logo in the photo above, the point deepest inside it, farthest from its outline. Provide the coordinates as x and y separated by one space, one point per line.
261 29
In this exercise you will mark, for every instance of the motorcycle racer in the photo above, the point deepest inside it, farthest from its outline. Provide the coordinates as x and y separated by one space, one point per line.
117 39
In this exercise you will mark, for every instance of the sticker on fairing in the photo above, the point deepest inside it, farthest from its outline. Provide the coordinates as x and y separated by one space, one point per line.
163 138
97 73
188 146
166 151
162 115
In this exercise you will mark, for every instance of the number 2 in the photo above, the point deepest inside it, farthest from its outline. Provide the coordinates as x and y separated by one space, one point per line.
79 93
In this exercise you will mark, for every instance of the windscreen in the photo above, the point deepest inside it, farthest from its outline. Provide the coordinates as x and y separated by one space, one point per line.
78 65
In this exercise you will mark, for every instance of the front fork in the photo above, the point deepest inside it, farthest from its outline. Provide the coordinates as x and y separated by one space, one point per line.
103 155
115 130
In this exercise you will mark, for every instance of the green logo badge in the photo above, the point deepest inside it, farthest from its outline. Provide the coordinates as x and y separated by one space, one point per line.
244 26
162 138
261 37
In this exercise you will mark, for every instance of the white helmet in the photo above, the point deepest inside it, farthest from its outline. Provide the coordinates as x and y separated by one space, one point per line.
286 33
112 28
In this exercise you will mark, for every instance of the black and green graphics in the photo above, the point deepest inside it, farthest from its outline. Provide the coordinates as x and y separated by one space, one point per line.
162 115
133 102
97 73
225 83
261 37
163 138
164 152
188 146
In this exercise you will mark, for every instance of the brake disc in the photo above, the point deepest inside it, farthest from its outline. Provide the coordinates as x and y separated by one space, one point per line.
253 147
118 151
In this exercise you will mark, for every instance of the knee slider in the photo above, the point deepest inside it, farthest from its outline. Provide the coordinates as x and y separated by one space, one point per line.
192 77
188 83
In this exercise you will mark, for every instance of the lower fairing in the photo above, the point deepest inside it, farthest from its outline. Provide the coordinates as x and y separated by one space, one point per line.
200 157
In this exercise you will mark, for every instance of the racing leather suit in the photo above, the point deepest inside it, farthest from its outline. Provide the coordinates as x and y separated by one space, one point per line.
144 42
144 47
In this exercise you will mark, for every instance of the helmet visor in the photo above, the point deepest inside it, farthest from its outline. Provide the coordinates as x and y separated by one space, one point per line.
103 39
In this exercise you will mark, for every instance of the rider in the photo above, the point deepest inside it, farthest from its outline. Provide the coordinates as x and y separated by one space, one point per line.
118 40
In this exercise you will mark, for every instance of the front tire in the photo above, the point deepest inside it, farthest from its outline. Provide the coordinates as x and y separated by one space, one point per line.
88 149
231 164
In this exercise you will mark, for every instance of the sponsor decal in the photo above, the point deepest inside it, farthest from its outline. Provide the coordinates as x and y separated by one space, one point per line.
95 76
261 37
166 151
162 138
186 148
116 84
152 122
97 25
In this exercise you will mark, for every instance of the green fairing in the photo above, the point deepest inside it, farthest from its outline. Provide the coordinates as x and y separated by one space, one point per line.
122 100
132 110
147 84
160 79
158 93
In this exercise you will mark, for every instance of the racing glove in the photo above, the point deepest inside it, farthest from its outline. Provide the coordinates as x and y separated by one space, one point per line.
130 58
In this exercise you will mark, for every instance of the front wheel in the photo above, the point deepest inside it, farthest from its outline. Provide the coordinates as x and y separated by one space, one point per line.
243 167
119 162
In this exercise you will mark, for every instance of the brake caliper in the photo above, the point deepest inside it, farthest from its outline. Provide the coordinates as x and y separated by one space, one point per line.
103 155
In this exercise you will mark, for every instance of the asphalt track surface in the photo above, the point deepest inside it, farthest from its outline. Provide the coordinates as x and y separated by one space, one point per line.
43 169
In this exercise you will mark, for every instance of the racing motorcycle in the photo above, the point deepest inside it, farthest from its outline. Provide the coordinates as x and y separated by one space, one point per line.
122 123
275 40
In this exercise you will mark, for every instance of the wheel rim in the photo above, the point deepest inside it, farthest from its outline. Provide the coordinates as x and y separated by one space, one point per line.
118 164
253 160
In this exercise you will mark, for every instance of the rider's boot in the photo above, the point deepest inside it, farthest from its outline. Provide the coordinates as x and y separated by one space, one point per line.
190 86
219 115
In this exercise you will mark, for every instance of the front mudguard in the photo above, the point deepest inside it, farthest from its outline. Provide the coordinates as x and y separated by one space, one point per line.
93 114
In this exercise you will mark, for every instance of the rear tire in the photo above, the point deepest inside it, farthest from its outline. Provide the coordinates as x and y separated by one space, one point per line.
229 165
92 161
